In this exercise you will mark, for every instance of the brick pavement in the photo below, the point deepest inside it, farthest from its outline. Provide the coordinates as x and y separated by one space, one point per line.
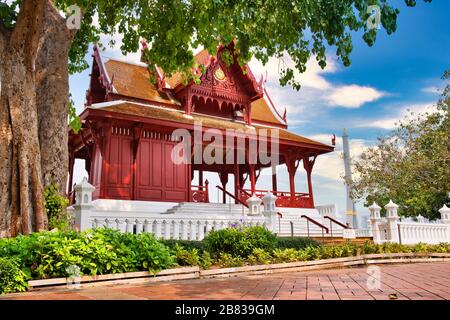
430 281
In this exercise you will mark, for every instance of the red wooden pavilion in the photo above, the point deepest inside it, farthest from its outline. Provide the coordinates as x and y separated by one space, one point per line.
126 138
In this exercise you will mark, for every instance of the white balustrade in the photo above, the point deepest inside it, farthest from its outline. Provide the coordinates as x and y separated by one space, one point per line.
327 210
414 232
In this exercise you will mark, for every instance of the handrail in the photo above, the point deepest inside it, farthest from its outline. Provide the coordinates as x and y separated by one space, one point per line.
337 222
246 192
315 222
232 195
288 193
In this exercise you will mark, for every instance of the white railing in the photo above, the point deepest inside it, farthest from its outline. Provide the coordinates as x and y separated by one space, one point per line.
391 229
327 210
180 228
363 233
413 232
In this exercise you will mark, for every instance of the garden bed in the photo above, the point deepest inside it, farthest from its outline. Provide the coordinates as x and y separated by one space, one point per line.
106 255
196 272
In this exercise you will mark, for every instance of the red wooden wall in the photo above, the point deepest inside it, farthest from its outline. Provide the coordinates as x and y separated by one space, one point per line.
118 165
158 178
151 176
96 172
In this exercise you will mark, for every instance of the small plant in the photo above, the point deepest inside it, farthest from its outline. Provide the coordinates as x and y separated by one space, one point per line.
55 206
226 260
12 278
187 244
298 243
186 257
285 255
259 256
205 260
239 241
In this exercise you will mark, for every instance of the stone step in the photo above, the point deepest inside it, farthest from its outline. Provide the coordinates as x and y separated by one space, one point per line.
206 208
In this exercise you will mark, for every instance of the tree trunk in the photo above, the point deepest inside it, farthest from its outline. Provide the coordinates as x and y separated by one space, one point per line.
21 191
52 97
5 146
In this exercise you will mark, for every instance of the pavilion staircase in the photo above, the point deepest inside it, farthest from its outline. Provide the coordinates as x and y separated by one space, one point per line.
205 209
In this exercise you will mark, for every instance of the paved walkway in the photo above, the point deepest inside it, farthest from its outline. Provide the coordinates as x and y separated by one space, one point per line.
402 282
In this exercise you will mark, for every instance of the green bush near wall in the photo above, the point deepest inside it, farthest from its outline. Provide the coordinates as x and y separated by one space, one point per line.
101 251
12 278
53 254
296 243
239 241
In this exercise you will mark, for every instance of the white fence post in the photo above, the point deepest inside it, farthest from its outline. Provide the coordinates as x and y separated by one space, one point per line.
392 218
83 204
445 218
270 211
375 218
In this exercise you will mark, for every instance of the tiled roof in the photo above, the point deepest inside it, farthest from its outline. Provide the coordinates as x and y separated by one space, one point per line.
261 112
134 81
147 111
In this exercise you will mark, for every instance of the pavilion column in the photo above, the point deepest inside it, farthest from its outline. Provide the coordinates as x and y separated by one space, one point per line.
274 179
292 168
224 179
308 163
252 178
237 186
200 177
103 142
137 133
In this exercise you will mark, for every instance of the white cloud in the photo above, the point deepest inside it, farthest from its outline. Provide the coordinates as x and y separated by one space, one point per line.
353 96
403 111
316 89
432 90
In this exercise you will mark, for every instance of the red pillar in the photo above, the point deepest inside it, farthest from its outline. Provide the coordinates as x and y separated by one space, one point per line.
252 178
137 132
200 177
308 165
274 179
292 168
237 186
224 179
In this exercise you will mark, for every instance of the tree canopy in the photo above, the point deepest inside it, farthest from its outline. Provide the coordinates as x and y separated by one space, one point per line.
411 164
38 48
262 28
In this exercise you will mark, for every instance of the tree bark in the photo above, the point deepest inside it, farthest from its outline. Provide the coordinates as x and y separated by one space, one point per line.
6 141
21 190
52 97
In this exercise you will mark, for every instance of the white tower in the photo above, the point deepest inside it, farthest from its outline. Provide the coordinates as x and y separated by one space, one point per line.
352 219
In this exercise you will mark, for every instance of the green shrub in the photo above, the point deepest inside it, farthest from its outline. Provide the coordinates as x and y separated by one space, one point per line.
53 254
296 243
187 257
239 241
285 255
55 206
187 244
205 260
259 256
12 278
226 260
191 256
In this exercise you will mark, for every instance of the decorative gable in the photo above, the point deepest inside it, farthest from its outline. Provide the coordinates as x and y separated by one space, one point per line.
225 91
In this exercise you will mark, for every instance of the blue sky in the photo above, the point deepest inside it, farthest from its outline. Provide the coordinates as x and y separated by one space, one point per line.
400 71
